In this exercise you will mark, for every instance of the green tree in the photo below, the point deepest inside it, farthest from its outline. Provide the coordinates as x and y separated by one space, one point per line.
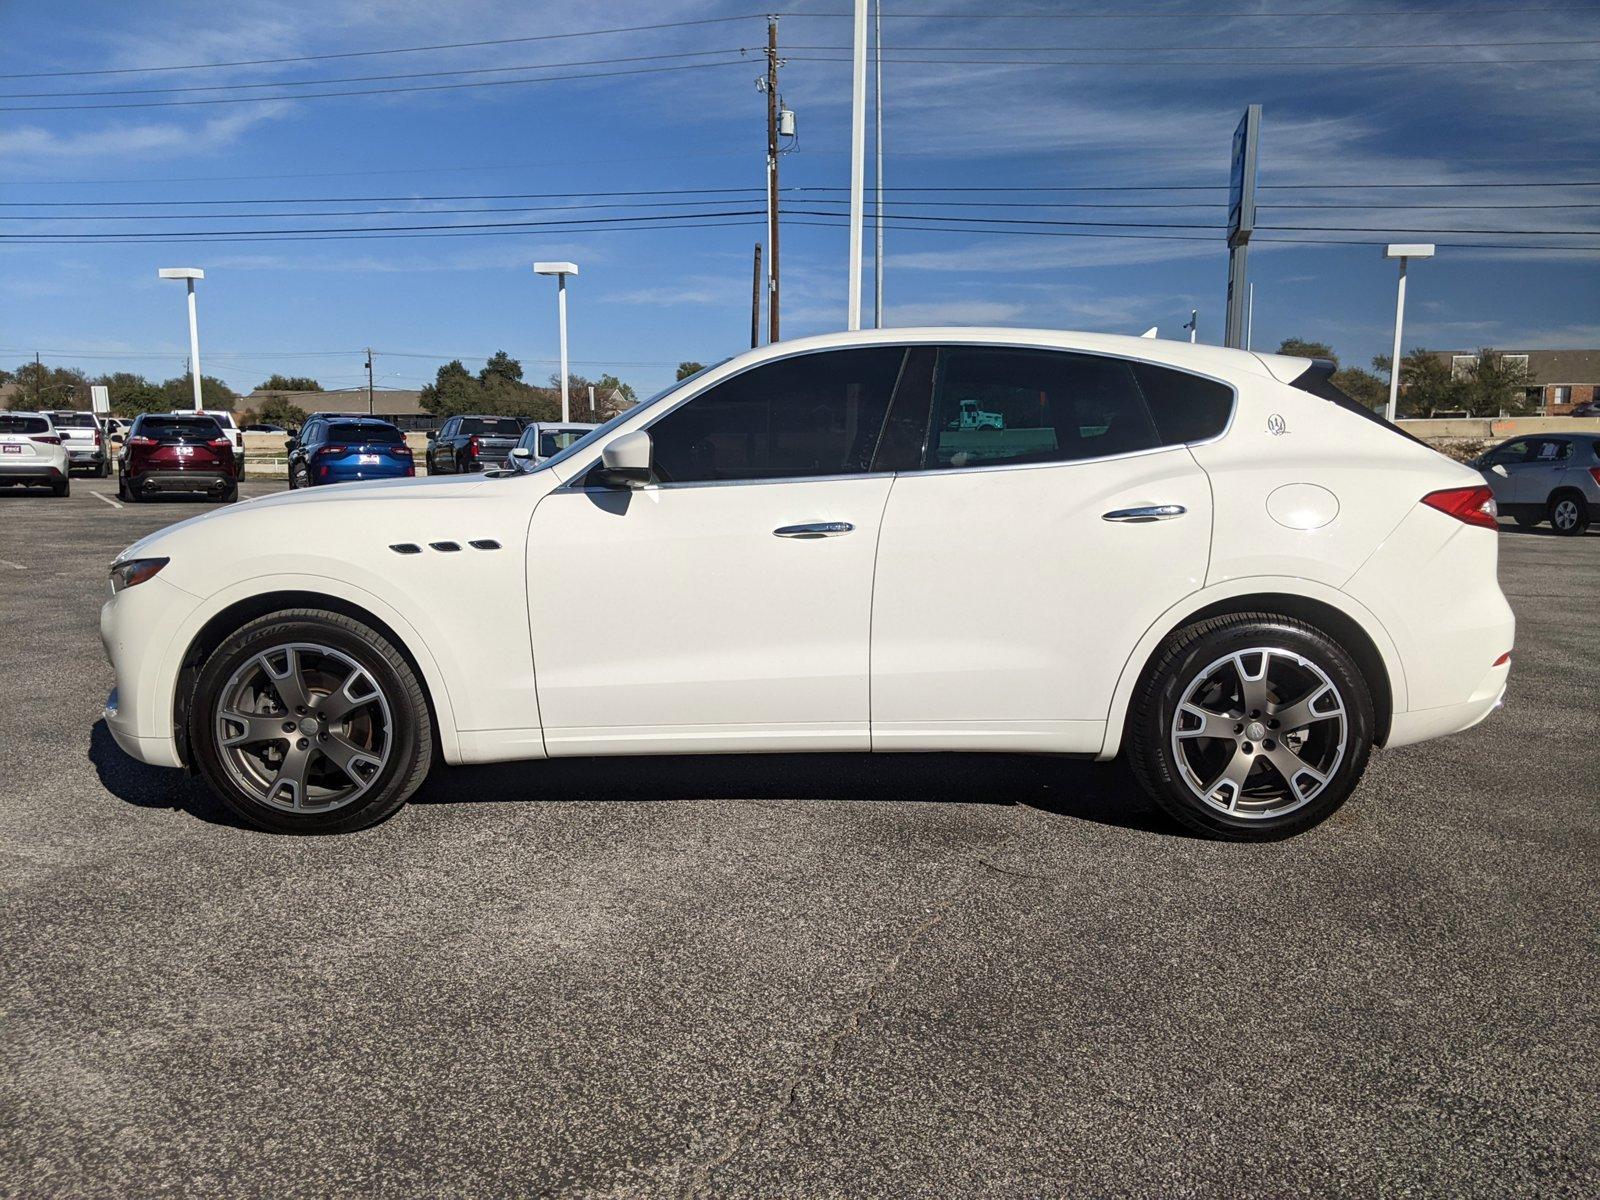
686 369
280 410
500 367
178 392
1362 386
132 394
1495 385
1427 384
1300 348
40 386
289 383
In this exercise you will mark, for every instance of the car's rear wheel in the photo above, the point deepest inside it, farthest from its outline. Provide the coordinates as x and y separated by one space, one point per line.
229 496
307 721
1251 727
61 487
1569 513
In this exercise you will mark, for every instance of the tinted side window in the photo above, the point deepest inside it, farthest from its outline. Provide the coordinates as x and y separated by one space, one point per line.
1511 452
1185 407
1551 450
1018 406
815 414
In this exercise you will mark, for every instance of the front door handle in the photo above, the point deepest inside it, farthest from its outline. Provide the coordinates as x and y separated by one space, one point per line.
814 529
1148 512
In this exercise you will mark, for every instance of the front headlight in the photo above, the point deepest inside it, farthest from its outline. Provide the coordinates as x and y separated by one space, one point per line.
134 570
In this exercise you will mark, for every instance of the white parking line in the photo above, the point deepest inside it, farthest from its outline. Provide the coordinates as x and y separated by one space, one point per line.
107 499
6 562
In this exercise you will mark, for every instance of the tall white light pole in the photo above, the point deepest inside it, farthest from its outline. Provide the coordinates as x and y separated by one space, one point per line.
877 152
1403 251
858 162
561 270
189 275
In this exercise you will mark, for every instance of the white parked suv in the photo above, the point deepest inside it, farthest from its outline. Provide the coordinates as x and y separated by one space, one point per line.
1206 559
32 454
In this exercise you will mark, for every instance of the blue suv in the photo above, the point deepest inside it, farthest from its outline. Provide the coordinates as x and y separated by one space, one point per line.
345 449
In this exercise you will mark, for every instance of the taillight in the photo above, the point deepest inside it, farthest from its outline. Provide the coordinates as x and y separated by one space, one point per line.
472 446
49 439
1474 505
141 440
402 451
1594 473
221 441
331 450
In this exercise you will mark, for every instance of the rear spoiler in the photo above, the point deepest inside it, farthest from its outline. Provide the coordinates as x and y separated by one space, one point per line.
1317 379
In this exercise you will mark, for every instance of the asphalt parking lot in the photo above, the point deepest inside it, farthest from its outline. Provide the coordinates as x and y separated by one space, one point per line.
930 976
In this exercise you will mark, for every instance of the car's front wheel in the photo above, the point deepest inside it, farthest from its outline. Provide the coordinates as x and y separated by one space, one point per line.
308 721
1251 727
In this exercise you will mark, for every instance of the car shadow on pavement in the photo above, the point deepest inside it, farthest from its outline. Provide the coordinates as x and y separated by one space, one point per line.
145 786
1103 793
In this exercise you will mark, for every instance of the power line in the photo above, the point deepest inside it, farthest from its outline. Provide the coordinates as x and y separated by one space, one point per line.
299 58
1319 46
1389 64
1152 15
286 83
431 87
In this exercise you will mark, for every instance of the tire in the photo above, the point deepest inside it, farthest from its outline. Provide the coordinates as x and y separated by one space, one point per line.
62 487
1568 513
1215 668
230 496
122 489
1528 522
388 735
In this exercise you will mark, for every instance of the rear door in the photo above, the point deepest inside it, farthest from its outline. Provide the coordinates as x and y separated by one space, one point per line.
1542 473
1048 523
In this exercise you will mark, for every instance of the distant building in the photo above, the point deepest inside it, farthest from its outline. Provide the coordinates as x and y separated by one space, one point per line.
1562 379
393 404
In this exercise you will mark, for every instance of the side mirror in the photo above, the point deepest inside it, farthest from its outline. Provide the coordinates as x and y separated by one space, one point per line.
625 462
521 452
431 434
291 443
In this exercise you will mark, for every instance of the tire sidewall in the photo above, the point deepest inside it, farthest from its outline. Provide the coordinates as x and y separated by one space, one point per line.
1153 726
409 734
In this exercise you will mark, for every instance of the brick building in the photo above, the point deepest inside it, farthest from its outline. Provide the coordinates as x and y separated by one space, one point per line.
1563 379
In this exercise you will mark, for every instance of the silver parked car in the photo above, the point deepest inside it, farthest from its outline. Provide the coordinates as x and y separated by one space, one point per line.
1551 477
546 439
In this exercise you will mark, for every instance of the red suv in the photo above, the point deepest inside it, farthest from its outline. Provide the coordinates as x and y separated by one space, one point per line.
171 453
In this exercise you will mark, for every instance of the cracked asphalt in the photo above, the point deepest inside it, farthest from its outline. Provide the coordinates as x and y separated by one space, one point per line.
800 976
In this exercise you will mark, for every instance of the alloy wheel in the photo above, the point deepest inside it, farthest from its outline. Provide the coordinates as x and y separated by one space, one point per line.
1259 732
303 727
1564 515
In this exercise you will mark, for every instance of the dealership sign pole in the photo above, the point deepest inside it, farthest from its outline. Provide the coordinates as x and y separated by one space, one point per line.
1241 222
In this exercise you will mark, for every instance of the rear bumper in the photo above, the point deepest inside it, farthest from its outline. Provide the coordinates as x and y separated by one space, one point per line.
33 471
357 476
182 481
85 455
1421 724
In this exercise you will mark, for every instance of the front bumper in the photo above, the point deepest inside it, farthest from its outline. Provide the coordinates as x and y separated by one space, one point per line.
139 627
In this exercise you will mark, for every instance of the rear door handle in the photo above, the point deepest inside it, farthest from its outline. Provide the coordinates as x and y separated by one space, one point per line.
1148 512
814 529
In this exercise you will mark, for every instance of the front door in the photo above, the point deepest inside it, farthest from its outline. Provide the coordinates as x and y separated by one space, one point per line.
1039 540
727 605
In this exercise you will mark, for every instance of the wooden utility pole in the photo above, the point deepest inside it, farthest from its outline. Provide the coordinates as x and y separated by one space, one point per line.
369 381
755 301
771 88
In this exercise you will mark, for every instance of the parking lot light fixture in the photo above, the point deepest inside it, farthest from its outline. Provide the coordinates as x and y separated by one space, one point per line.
189 275
561 270
1404 251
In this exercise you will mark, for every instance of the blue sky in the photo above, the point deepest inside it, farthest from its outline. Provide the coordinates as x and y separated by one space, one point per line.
647 298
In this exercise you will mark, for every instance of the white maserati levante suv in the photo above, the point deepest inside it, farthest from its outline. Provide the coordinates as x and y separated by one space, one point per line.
903 540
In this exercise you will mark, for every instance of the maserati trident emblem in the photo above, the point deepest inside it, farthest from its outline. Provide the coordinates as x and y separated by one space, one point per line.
1276 426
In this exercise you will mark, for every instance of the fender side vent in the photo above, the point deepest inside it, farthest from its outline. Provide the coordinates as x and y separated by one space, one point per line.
406 548
446 547
484 544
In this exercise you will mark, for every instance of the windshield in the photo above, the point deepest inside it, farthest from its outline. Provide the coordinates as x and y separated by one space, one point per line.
578 447
172 428
492 426
371 435
554 441
73 420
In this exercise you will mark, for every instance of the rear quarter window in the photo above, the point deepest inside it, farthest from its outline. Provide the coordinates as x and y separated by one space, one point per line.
1186 408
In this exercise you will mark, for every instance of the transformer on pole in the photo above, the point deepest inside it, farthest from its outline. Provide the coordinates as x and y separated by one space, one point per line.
1241 222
